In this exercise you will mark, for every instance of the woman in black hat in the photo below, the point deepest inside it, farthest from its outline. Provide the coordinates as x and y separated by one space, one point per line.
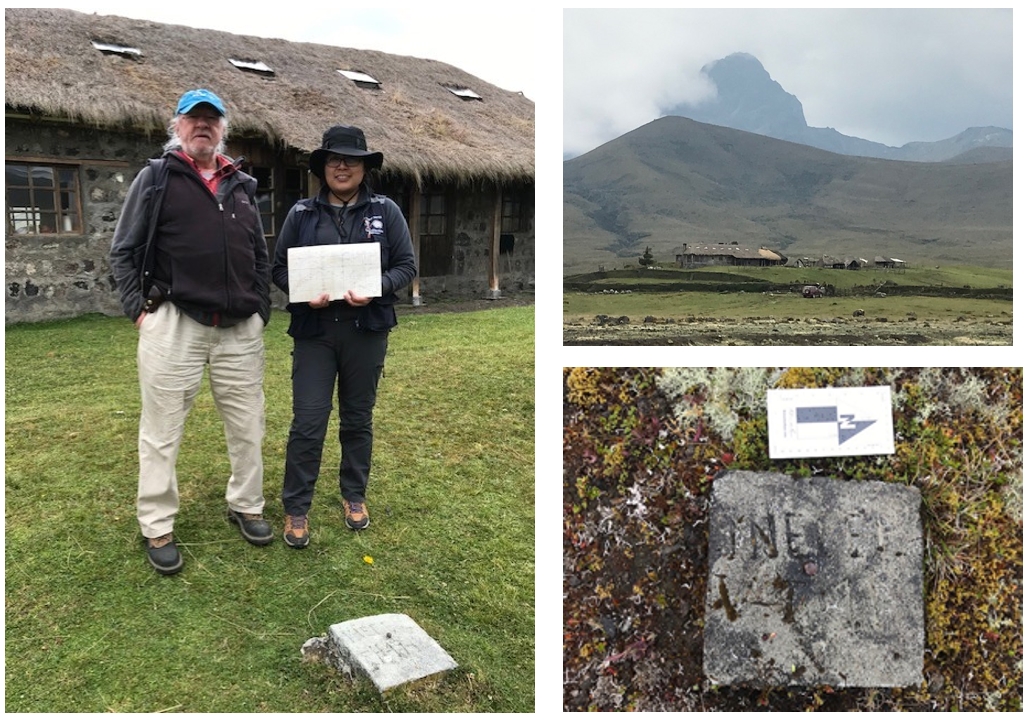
339 343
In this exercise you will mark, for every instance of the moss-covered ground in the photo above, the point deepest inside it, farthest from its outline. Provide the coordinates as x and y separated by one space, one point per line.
641 447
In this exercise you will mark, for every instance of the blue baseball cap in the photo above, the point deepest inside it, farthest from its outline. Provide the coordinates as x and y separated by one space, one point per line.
192 98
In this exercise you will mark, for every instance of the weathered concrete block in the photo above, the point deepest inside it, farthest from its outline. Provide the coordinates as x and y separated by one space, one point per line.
813 581
390 650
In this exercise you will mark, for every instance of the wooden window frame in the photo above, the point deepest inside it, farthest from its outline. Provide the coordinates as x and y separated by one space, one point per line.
28 218
431 263
515 214
275 199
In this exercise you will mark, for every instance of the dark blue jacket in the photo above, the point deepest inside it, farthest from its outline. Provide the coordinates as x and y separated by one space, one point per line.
373 218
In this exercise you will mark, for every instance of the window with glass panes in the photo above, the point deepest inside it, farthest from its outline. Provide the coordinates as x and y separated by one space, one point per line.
274 200
514 212
265 197
511 213
42 199
294 187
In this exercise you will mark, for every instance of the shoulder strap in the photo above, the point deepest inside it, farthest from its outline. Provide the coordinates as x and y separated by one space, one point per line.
306 218
250 184
158 181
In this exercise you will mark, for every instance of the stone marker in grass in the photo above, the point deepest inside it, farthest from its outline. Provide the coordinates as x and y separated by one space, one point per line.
813 581
390 650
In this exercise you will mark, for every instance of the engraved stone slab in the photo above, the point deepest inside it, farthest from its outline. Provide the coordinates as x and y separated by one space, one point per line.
813 581
390 649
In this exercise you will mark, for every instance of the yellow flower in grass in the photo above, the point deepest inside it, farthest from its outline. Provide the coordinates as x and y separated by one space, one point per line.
369 560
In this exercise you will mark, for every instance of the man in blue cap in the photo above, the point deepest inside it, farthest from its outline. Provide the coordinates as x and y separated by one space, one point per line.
192 267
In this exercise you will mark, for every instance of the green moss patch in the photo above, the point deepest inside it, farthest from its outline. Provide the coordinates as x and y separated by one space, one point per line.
641 449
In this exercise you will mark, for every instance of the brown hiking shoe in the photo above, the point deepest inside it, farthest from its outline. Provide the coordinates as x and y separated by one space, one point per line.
356 513
296 531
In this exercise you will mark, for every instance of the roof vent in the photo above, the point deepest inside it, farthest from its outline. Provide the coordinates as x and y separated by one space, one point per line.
362 80
115 49
253 66
464 93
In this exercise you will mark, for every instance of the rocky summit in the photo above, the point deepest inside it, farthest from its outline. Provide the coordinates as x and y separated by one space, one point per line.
749 99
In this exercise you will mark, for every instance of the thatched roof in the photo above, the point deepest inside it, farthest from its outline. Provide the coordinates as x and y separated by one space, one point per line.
423 129
734 251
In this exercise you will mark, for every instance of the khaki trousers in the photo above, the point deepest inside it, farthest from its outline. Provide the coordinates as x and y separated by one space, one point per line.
171 356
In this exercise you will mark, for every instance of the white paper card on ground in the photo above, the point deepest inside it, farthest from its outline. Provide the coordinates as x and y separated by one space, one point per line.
821 422
334 269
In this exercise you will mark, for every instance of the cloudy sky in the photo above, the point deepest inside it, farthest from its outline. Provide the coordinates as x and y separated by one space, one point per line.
891 76
478 40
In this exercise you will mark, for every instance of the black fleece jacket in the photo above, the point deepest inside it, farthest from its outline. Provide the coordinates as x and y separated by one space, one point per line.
210 253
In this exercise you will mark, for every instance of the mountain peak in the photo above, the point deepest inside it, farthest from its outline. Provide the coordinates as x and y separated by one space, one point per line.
747 99
736 62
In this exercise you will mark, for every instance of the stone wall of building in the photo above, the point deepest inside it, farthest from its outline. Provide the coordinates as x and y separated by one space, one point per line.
470 269
48 277
693 261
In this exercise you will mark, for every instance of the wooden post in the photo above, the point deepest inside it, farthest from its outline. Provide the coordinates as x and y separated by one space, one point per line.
494 291
414 213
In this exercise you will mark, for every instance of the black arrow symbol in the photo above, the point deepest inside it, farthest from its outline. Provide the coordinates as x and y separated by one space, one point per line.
847 426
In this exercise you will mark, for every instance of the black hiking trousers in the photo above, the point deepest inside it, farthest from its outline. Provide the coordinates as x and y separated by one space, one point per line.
349 361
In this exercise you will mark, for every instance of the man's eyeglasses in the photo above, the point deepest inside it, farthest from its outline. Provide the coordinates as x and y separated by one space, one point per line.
335 161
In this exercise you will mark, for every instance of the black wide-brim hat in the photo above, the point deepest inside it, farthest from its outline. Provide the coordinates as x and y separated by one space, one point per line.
343 140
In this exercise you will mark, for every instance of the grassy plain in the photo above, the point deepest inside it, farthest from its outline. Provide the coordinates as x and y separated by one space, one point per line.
743 305
960 305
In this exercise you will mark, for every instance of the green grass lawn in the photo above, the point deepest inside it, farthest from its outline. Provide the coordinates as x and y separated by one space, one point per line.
952 276
91 627
746 305
705 298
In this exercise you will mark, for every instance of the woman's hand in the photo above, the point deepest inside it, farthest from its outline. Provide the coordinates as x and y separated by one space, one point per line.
356 300
321 301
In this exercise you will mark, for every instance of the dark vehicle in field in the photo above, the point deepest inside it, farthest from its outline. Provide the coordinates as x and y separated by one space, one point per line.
813 291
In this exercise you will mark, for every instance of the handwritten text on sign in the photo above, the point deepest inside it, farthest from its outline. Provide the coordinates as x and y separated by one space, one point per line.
334 269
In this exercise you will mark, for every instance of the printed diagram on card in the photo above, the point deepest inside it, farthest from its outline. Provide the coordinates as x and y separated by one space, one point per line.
820 422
